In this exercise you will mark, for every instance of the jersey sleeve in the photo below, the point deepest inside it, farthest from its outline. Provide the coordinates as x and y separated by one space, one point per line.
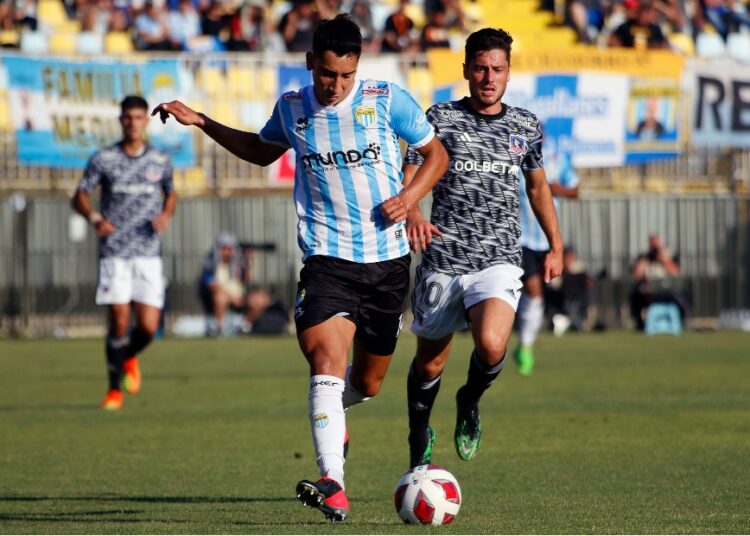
412 155
92 175
167 179
408 120
273 132
533 159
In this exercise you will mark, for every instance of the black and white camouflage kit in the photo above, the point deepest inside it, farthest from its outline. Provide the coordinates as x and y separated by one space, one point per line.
132 195
475 204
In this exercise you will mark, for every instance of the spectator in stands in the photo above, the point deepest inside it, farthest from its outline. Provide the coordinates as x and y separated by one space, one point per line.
249 27
95 16
226 271
397 35
152 29
724 15
215 22
651 272
184 25
362 14
25 14
328 9
298 25
640 30
435 33
7 20
568 296
586 17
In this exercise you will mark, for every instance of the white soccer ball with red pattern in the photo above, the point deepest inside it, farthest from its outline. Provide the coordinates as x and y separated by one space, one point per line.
428 495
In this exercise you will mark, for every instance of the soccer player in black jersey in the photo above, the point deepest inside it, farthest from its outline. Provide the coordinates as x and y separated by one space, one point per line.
470 270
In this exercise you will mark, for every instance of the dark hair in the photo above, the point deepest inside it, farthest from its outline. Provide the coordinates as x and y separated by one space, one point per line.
340 35
487 39
133 101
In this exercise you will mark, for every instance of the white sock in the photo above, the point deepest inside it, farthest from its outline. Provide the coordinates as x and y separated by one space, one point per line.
328 424
351 396
530 318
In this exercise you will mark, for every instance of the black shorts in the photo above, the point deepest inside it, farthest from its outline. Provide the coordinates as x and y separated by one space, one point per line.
371 295
532 262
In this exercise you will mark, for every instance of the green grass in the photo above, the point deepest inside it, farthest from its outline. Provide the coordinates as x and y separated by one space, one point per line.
614 433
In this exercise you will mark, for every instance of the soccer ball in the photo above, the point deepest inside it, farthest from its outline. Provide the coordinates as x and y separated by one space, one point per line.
427 495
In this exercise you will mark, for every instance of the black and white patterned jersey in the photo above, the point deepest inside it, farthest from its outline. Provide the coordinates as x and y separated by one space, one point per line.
475 204
132 195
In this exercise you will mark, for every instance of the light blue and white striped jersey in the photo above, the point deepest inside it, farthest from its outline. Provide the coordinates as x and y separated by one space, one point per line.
348 162
558 169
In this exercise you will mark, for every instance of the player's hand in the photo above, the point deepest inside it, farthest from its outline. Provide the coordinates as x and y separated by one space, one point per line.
161 223
182 113
420 231
395 208
553 265
104 227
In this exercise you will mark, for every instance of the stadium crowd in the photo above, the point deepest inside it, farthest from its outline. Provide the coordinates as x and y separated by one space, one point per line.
708 27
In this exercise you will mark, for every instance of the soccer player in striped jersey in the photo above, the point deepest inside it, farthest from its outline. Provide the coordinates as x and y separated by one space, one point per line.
563 182
352 208
471 267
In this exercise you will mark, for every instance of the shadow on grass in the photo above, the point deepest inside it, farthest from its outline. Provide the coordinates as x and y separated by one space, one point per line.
147 499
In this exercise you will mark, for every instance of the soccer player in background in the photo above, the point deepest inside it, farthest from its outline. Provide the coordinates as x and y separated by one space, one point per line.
137 204
352 208
535 247
470 269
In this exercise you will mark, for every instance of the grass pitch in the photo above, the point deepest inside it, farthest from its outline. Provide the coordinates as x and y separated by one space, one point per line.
614 433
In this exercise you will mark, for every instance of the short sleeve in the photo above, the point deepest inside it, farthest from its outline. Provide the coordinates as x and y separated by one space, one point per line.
167 179
533 159
412 155
92 175
408 120
273 131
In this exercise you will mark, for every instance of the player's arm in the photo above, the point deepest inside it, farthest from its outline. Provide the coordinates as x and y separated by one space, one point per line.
162 221
81 203
419 229
245 145
425 178
540 198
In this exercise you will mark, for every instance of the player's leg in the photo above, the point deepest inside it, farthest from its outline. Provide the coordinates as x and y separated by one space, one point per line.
437 304
116 345
491 299
147 318
325 346
491 326
422 387
530 310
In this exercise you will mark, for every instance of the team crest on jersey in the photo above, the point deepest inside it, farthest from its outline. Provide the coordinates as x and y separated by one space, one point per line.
293 95
153 174
320 420
518 144
365 116
303 124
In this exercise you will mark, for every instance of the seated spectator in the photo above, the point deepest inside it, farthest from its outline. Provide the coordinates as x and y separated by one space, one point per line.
298 25
152 29
435 33
651 272
362 14
184 25
640 29
397 35
215 22
249 27
724 15
586 17
568 296
227 269
25 14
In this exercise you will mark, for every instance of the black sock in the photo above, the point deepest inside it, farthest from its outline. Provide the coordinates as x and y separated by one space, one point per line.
421 397
139 339
116 354
478 380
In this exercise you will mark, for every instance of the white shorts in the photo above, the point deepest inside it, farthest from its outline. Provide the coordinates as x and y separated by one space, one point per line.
440 301
139 279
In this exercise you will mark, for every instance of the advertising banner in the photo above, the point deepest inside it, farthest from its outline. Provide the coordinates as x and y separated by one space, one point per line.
652 120
719 96
62 111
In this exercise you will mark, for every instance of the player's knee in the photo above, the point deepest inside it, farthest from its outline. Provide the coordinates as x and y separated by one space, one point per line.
429 370
491 351
367 386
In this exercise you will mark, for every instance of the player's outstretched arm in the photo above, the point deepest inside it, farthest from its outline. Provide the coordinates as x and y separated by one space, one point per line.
245 145
427 176
540 198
